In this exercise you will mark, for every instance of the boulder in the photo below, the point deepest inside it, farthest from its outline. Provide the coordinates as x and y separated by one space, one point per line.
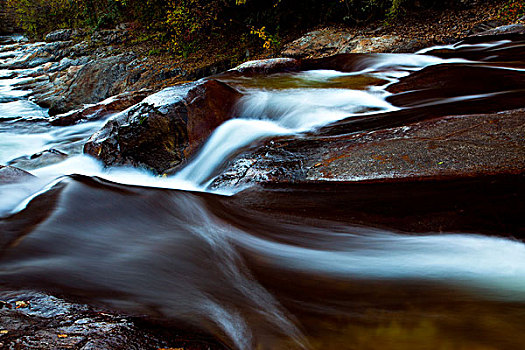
40 159
10 175
267 66
110 36
331 41
319 43
91 83
501 30
166 128
440 81
62 35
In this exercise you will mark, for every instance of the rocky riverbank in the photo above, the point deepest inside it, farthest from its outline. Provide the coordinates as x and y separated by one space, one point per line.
33 320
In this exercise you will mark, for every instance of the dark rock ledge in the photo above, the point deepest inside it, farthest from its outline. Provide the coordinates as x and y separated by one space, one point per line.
34 320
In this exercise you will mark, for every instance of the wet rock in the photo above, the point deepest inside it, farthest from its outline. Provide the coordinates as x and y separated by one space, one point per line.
35 320
454 146
11 175
66 75
100 110
166 128
489 205
485 26
386 43
440 81
40 159
66 63
7 40
268 66
90 83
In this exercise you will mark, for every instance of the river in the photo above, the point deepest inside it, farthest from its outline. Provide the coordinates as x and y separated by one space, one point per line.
286 267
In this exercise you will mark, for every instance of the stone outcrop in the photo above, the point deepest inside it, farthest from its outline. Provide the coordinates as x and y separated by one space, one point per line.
39 159
31 320
93 82
63 35
331 41
11 175
267 66
166 128
100 110
66 73
511 29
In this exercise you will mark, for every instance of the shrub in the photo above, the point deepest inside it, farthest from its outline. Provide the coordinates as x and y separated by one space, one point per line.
183 24
512 11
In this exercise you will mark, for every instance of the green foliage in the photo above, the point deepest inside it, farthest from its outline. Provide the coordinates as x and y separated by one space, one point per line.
37 17
513 10
183 26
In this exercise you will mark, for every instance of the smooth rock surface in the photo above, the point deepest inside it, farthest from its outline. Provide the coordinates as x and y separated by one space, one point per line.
11 175
454 146
91 83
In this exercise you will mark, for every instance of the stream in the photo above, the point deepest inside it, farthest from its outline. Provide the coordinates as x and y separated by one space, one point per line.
255 268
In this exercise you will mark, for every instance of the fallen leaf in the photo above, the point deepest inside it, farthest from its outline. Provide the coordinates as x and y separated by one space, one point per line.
22 304
62 335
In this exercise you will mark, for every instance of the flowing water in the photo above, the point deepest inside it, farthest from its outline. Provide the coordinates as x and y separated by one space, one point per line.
281 268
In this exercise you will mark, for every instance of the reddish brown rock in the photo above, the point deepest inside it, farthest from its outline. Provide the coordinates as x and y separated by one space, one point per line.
166 128
208 105
91 83
454 146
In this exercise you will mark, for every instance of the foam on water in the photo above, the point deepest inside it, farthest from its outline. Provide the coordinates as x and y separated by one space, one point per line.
13 145
226 140
304 109
462 46
23 109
